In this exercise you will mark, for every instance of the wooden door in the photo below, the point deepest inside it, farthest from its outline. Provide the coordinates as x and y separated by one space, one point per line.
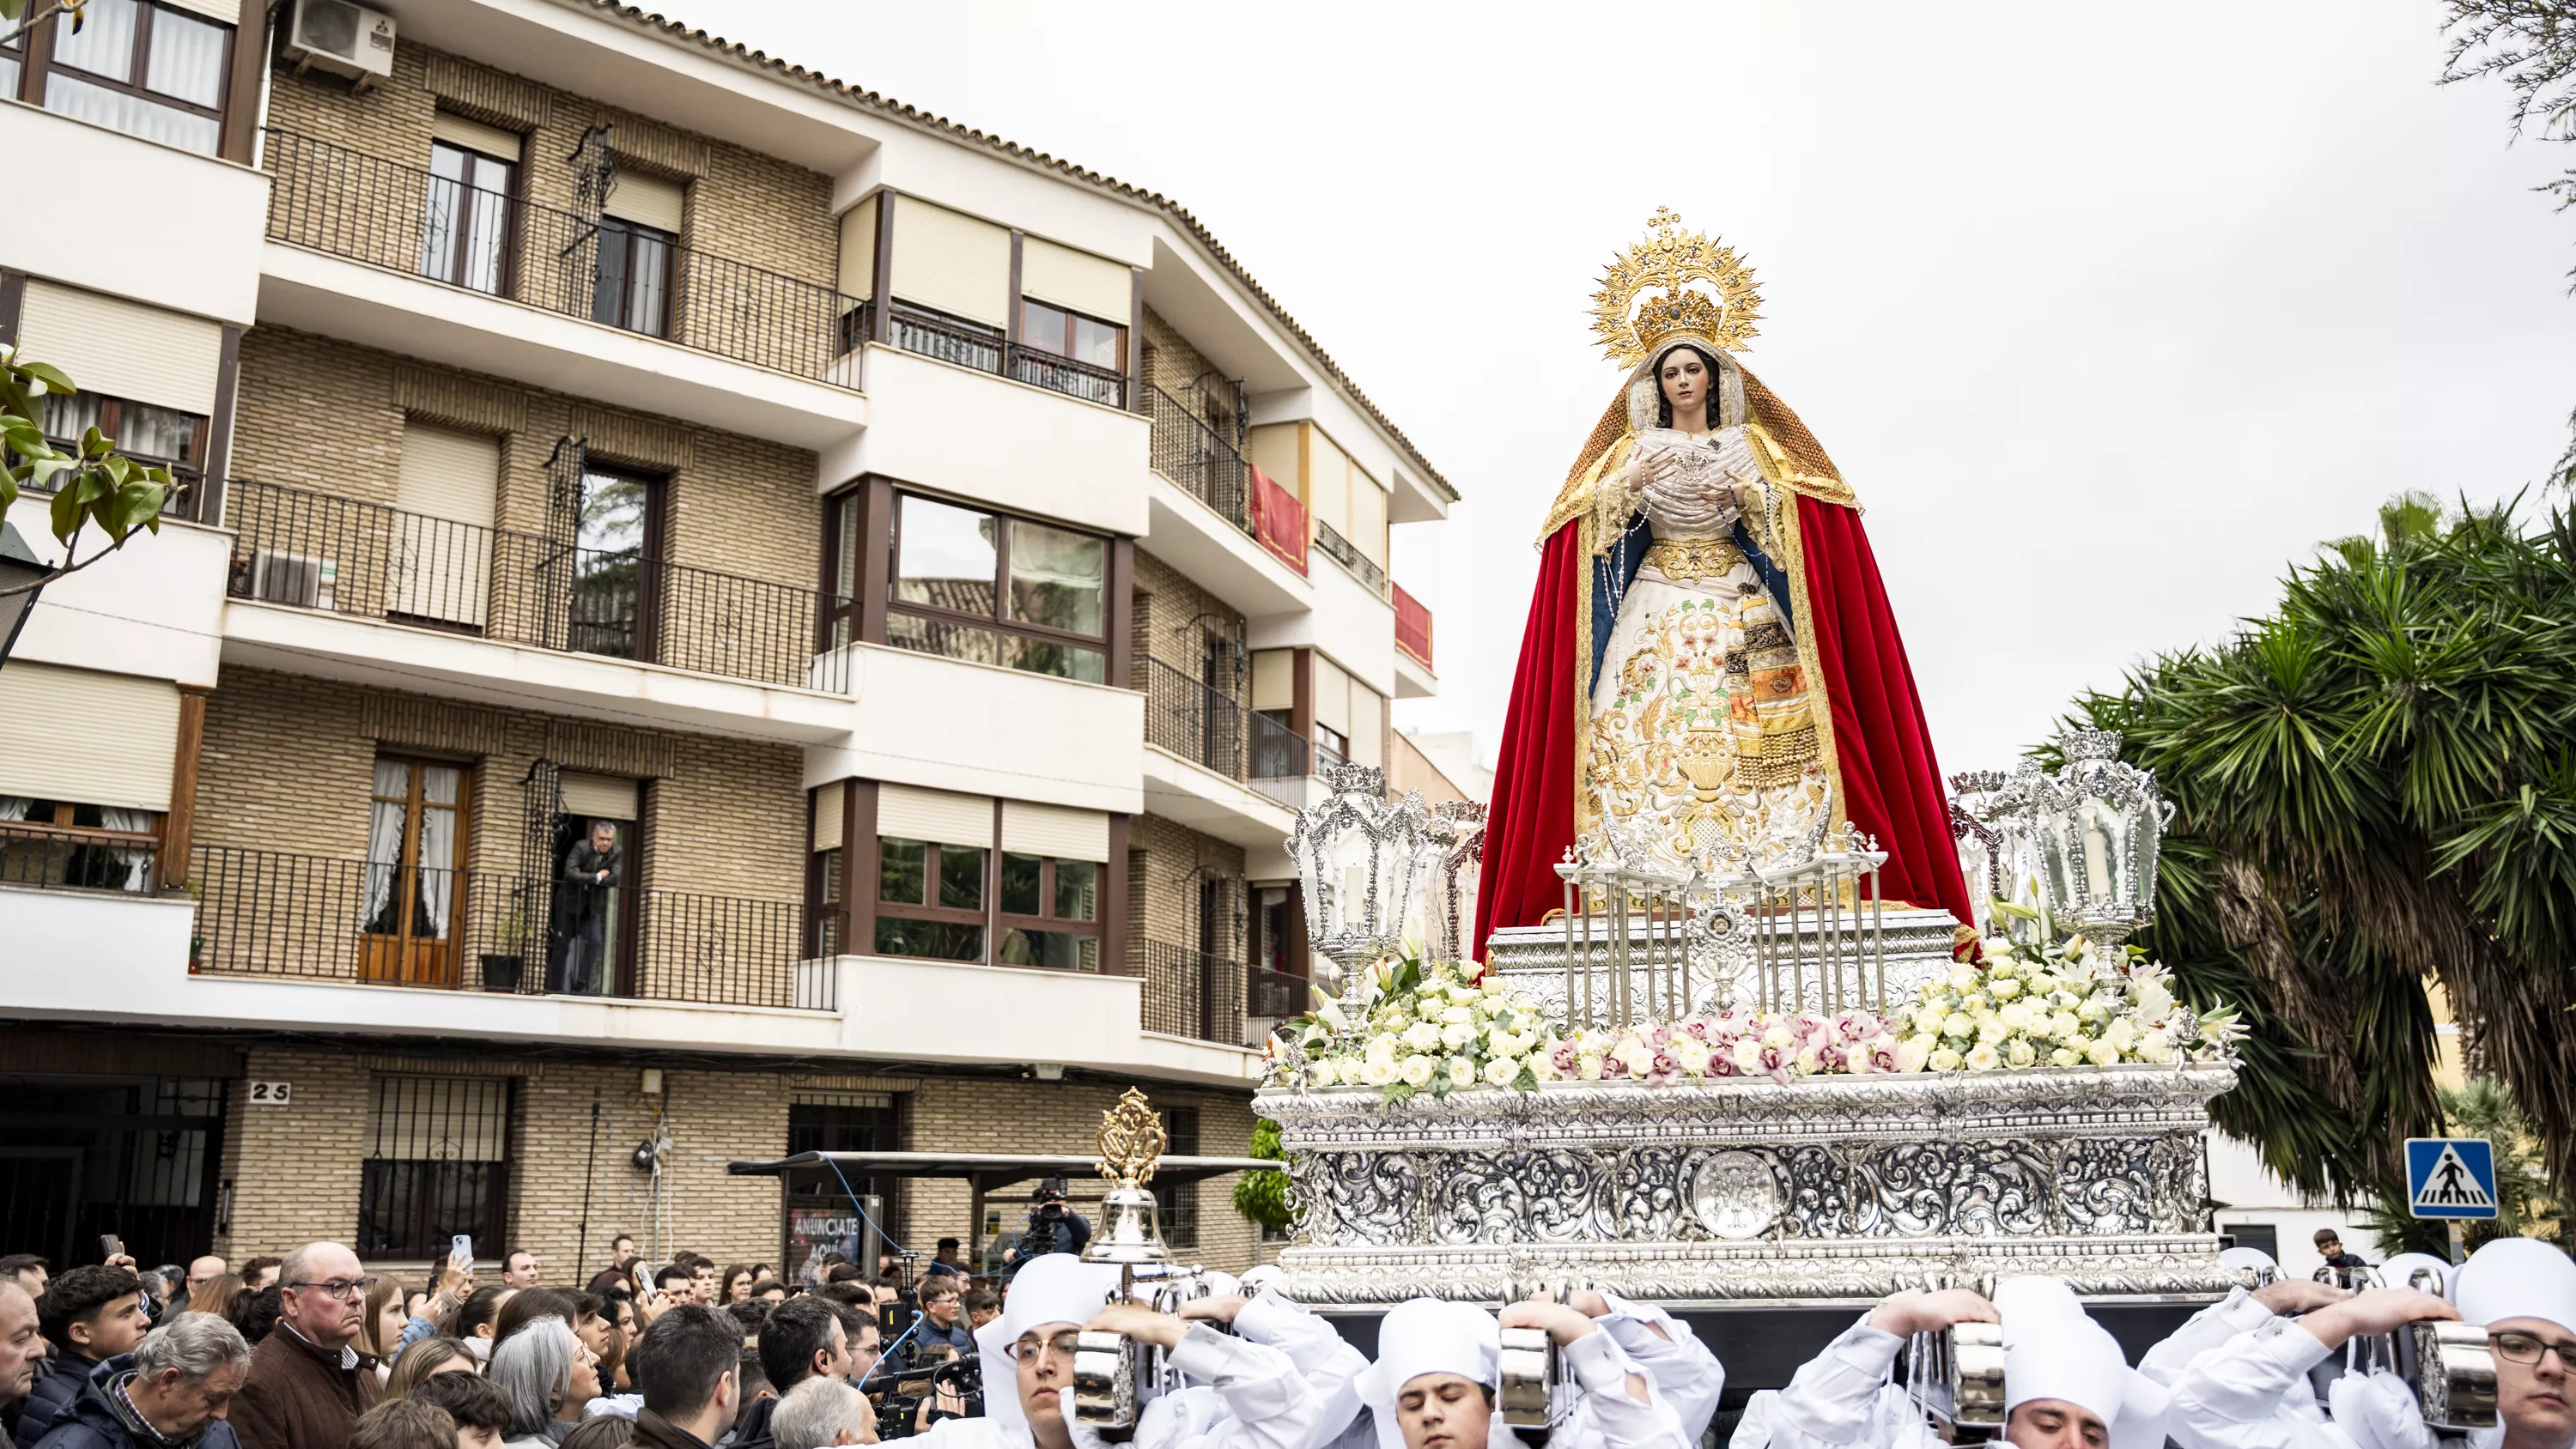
415 880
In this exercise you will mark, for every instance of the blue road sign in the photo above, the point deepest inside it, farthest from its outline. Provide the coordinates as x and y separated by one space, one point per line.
2450 1177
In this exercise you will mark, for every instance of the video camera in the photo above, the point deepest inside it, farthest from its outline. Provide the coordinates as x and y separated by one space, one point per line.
904 1393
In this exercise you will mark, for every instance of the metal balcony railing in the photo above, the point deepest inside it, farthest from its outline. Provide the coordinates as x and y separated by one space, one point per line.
387 214
1342 551
1194 720
315 551
1189 992
1412 627
73 857
1273 995
985 349
1197 459
267 913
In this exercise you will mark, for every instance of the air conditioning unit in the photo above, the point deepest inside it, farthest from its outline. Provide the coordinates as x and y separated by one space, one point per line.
292 578
342 38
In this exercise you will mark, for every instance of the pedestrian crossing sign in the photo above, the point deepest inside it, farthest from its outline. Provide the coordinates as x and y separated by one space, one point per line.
2450 1177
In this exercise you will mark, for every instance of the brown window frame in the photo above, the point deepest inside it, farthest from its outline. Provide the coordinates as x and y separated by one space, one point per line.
139 64
187 473
628 232
505 282
1062 346
1005 920
979 916
999 619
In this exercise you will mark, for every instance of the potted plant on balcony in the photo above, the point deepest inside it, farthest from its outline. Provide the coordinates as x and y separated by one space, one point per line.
502 968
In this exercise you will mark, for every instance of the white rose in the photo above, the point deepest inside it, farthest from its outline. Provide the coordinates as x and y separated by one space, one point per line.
1991 1029
1944 1060
1422 1036
2065 1027
1429 1008
1464 995
1383 1046
1963 978
1913 1053
1320 1074
1457 1015
1502 1071
2021 1053
2121 1034
1690 1054
2004 990
2156 1049
1983 1058
2014 1015
1543 1067
2063 1057
1777 1037
1588 1068
1462 1073
1416 1071
1959 1023
2102 1054
1456 1034
2004 969
1747 1053
1377 1072
1804 1063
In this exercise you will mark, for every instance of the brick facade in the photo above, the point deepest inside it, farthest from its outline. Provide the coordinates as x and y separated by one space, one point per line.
296 1171
327 417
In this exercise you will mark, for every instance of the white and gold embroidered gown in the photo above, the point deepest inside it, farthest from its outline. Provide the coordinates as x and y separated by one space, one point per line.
1703 743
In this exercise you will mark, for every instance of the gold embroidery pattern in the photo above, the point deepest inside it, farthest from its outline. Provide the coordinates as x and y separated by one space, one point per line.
1689 560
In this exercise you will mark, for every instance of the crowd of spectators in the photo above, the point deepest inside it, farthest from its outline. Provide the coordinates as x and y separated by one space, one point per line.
316 1351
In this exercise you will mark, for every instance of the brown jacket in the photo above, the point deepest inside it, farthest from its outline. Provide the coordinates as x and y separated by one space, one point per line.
299 1396
656 1432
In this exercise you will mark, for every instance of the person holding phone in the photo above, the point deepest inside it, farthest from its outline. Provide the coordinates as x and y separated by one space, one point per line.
455 1285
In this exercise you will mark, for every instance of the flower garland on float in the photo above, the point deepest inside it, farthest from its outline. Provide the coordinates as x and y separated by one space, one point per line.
1439 1027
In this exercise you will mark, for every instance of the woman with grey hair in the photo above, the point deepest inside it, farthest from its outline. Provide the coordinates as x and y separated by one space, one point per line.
548 1376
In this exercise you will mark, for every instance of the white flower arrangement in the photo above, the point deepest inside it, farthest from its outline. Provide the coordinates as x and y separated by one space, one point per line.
1413 1027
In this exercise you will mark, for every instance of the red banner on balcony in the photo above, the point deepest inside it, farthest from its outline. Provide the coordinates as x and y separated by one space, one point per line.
1412 627
1278 520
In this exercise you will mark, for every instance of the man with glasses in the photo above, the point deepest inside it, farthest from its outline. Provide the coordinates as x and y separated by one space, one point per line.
307 1384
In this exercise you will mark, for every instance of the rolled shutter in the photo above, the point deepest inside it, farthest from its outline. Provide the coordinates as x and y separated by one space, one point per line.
1332 696
1368 726
123 349
596 797
227 11
1080 281
827 816
907 812
492 141
128 730
1328 481
1274 680
1055 830
1368 518
859 249
647 201
952 263
448 474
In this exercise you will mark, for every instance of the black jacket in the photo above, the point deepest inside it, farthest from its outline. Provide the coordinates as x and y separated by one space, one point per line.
95 1422
65 1375
753 1431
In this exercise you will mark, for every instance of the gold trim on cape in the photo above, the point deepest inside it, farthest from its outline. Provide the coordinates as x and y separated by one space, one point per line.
1790 457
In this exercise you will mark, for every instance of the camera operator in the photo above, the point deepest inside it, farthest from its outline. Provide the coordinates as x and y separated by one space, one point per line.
1053 1227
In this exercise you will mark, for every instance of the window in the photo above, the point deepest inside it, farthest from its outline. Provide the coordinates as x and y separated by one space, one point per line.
62 843
1050 912
930 899
821 1216
613 571
437 1164
976 586
414 874
1178 1204
13 58
147 434
465 237
634 284
145 69
1098 349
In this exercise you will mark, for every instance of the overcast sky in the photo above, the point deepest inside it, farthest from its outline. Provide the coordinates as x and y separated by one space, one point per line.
2109 313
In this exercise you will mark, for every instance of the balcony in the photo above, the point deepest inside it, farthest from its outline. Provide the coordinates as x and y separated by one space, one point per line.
1414 678
1189 992
1340 550
1199 770
1216 518
392 256
77 858
966 344
462 587
267 914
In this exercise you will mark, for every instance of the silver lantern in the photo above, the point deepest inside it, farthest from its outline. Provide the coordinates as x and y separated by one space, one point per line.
1360 857
2100 826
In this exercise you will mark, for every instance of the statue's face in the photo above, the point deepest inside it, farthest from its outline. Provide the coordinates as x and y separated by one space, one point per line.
1686 383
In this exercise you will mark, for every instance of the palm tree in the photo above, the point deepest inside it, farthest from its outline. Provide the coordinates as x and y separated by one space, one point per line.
2376 790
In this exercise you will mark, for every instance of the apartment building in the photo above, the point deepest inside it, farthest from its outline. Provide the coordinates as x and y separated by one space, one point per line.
711 614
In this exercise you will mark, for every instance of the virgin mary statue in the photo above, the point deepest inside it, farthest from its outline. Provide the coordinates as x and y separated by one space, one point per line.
1711 673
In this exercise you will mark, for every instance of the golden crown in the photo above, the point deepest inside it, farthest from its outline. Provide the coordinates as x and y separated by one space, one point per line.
1706 295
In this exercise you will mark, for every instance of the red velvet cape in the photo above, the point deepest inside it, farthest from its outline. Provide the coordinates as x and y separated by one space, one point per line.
1892 785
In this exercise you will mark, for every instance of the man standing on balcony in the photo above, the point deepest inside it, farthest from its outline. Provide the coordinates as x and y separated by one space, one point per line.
583 900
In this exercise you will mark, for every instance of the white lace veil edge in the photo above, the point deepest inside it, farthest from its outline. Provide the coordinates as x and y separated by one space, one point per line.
1645 398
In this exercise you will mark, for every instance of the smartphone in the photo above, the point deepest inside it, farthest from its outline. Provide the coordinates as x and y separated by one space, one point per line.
111 1246
460 1249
